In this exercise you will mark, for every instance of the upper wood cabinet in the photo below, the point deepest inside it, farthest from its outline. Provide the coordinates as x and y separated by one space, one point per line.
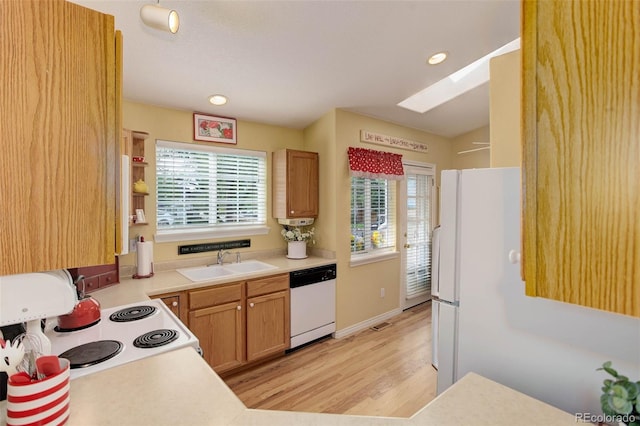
581 152
295 184
59 121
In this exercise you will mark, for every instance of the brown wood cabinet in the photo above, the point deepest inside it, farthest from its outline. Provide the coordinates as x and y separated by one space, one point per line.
177 302
268 324
96 277
59 121
216 317
241 322
581 153
295 184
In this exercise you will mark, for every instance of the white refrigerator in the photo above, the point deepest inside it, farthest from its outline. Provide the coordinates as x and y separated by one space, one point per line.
482 320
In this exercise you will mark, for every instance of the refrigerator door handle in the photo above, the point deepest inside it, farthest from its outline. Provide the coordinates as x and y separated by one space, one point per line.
435 311
435 262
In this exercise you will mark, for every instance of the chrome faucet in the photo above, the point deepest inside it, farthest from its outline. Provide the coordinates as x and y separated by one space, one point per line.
221 255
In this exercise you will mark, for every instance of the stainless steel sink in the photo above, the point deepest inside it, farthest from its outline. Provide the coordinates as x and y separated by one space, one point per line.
206 273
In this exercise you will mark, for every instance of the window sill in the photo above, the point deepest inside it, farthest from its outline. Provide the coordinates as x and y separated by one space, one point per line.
363 259
168 236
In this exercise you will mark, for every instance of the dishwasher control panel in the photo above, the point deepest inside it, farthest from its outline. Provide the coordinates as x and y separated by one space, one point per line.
312 275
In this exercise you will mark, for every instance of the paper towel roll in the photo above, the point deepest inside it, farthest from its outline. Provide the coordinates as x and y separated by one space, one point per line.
145 259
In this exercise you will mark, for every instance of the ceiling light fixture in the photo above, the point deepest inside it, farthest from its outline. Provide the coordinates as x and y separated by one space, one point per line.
160 18
218 99
437 58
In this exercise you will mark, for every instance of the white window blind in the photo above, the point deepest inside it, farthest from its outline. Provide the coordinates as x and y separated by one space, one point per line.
419 190
373 224
208 187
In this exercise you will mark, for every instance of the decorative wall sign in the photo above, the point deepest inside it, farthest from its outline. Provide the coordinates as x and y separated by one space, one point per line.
402 143
210 128
225 245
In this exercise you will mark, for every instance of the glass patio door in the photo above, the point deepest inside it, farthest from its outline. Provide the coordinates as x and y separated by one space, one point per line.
418 193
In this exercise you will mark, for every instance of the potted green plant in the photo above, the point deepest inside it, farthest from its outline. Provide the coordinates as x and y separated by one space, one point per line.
620 398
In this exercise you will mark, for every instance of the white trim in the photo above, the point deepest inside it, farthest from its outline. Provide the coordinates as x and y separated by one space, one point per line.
429 166
363 259
428 169
210 148
173 235
339 334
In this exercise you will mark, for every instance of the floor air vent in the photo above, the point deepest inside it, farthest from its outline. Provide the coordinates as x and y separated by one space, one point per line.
380 326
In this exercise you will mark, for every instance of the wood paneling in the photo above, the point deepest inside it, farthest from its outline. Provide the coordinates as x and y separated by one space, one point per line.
581 156
377 373
59 139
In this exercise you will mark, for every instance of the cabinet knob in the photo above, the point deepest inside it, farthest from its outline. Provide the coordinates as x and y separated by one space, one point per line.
251 304
174 303
292 212
239 308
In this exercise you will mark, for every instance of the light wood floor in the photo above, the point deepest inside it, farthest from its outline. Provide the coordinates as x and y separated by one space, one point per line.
376 373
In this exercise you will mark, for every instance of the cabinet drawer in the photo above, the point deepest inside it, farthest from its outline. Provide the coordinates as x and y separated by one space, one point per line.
267 285
90 284
215 296
108 279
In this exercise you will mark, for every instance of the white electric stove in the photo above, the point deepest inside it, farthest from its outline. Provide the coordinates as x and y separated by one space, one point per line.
124 334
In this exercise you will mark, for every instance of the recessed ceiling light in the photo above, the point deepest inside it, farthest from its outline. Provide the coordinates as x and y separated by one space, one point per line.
437 58
218 99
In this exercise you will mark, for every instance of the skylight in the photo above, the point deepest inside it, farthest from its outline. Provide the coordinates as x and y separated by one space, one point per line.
461 81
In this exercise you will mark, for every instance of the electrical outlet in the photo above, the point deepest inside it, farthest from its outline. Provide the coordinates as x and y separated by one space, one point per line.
132 245
381 291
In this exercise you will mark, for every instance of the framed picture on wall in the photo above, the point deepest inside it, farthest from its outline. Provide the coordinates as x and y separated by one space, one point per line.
209 128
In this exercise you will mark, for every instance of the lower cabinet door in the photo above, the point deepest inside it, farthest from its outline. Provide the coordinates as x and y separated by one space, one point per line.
220 330
267 324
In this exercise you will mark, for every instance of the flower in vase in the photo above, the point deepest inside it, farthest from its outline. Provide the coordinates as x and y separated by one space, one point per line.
295 233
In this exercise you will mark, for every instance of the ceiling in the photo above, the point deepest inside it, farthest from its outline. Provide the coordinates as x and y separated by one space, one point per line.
287 63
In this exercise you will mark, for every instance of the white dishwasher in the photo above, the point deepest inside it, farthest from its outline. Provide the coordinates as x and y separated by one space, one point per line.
313 304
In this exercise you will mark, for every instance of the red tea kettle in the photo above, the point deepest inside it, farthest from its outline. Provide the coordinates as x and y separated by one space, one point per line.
85 314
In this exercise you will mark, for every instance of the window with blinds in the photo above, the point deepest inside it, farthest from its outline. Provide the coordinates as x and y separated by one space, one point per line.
373 224
207 188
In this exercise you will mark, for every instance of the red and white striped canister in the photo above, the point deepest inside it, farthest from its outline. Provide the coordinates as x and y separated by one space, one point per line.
39 402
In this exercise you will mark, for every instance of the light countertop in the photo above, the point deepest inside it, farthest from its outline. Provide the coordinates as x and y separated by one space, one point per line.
179 387
134 290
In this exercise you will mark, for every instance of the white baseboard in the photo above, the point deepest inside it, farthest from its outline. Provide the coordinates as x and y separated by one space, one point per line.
339 334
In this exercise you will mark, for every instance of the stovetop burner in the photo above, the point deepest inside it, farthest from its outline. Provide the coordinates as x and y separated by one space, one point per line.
92 353
155 338
133 313
160 319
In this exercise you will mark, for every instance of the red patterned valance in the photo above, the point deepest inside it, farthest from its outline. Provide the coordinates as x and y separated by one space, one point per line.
375 164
